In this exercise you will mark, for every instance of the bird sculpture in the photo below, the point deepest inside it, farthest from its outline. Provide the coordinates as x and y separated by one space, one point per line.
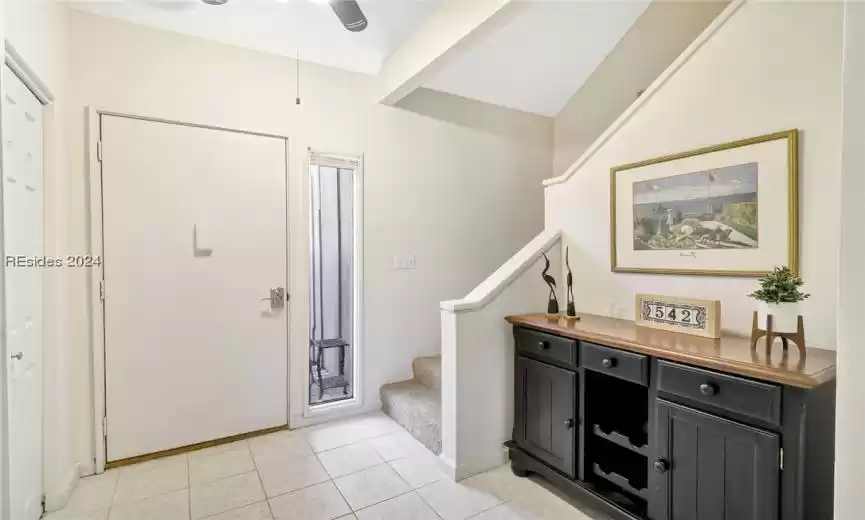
553 303
571 311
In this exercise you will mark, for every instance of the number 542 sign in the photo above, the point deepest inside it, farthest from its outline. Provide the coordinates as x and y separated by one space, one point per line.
688 315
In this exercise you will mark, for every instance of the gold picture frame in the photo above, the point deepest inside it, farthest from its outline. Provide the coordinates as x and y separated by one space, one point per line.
792 160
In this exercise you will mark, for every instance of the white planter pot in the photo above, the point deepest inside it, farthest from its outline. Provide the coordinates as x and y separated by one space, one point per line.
785 316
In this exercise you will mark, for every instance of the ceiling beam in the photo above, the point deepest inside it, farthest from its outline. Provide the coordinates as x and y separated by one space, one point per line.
449 31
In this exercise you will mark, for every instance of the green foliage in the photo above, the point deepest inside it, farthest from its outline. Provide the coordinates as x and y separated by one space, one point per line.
743 218
780 286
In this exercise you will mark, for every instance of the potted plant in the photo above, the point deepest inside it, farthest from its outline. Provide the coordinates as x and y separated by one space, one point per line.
779 295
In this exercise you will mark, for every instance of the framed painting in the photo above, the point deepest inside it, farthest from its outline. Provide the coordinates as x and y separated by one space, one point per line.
724 210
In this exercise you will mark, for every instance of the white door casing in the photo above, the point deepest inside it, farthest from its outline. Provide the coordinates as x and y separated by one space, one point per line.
22 231
193 239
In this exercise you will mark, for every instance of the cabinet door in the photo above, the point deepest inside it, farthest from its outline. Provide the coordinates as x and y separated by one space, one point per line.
709 468
545 418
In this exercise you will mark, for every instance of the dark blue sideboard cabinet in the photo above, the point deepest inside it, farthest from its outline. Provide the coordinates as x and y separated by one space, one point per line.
648 424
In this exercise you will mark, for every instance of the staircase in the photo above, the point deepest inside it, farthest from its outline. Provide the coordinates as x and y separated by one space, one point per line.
416 404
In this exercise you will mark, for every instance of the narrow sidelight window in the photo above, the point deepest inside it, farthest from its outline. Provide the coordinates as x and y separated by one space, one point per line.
333 342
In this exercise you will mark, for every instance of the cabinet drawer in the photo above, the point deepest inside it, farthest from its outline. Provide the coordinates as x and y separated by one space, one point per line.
615 362
751 398
547 346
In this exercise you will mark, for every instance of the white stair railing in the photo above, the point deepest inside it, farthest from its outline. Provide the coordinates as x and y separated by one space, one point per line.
478 357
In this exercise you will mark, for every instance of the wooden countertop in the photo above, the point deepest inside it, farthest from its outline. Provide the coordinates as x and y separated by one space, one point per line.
730 353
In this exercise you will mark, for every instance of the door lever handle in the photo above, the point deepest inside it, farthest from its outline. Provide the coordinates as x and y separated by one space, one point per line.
19 356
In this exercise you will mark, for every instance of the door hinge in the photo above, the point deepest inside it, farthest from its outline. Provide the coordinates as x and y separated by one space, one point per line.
105 427
781 463
99 151
102 290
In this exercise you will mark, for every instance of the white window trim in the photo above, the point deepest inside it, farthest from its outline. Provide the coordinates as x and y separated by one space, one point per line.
328 411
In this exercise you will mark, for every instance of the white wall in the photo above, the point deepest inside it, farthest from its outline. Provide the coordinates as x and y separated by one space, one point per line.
657 38
771 66
461 199
37 31
4 448
850 405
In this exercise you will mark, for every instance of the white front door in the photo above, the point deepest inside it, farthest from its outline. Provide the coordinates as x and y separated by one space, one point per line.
194 239
22 237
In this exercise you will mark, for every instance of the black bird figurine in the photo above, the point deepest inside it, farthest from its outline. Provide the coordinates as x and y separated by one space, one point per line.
553 303
571 311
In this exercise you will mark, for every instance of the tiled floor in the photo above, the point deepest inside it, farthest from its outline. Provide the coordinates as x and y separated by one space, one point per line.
365 468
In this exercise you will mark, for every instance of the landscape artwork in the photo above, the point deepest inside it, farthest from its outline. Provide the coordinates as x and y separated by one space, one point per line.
704 210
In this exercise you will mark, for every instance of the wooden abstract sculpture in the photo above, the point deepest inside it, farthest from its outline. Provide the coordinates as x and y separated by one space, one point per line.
570 310
553 302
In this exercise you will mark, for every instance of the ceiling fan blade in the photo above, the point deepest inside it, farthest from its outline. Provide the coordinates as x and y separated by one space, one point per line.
350 14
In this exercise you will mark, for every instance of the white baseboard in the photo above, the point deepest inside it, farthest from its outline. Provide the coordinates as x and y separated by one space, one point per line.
86 469
448 467
57 498
459 472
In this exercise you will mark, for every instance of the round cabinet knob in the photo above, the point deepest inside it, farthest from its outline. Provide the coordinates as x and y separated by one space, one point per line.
661 466
708 389
569 423
544 345
608 362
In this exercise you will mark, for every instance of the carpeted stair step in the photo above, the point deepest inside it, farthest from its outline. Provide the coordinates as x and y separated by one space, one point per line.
417 408
428 371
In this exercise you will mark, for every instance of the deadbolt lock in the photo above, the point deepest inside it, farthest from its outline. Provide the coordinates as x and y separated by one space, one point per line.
277 298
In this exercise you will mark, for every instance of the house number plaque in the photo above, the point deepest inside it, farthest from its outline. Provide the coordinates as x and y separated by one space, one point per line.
687 315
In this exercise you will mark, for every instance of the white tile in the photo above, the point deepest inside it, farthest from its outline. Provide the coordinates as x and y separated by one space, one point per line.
349 459
225 494
501 512
371 486
418 470
396 446
503 483
319 502
257 511
375 424
349 516
541 504
209 465
282 445
332 437
99 514
93 493
404 507
170 506
151 478
283 476
219 448
351 431
454 501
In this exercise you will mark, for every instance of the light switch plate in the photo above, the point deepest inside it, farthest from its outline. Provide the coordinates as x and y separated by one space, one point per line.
406 261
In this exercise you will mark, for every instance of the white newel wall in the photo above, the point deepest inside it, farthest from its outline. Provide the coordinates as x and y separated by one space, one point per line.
478 357
765 67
